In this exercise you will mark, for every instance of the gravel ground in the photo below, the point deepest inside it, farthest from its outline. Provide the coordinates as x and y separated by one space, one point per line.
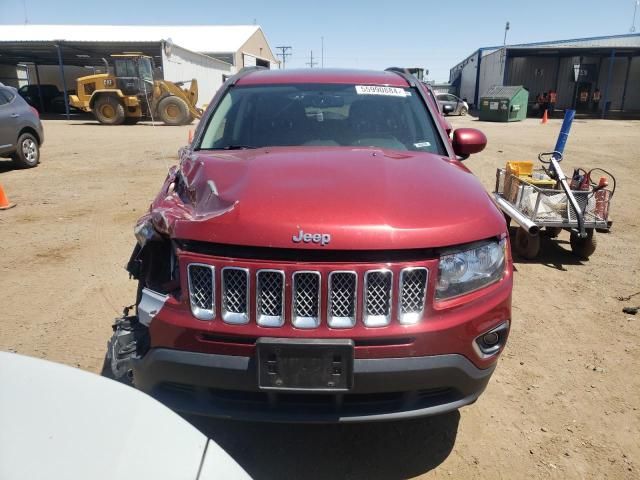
564 400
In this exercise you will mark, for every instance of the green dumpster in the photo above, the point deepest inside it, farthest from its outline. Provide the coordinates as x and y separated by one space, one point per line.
504 104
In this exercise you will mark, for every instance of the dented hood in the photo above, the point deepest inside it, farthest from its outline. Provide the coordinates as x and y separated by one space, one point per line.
363 198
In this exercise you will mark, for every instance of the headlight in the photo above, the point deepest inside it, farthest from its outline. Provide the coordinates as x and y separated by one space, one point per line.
468 270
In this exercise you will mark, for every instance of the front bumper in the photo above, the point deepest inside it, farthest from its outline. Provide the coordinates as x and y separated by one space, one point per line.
383 388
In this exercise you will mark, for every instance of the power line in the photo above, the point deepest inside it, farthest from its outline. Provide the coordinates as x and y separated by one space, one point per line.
311 63
284 54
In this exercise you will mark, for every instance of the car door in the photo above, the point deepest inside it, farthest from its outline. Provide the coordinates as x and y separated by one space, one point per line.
8 121
445 99
454 102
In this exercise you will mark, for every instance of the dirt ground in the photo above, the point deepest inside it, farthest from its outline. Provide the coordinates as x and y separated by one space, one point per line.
563 403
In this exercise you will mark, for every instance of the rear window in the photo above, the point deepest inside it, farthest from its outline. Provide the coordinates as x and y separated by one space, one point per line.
322 115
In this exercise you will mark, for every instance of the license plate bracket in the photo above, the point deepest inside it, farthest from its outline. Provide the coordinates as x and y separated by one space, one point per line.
306 365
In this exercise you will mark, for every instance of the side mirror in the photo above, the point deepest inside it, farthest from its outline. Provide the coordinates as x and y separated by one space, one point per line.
467 141
447 109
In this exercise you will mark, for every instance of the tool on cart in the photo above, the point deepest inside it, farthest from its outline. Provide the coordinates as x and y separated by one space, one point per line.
547 198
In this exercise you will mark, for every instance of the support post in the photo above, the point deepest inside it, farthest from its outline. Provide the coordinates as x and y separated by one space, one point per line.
626 82
39 89
612 58
476 100
64 84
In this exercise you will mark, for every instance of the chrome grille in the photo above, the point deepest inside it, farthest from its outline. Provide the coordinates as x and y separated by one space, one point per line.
413 282
270 298
306 299
235 295
342 299
201 288
377 298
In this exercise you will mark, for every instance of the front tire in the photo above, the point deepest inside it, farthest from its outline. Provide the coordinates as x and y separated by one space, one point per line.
28 153
583 247
463 111
174 111
527 245
109 111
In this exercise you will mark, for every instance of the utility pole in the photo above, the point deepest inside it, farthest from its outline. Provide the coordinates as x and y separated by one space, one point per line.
322 52
633 23
504 47
311 63
283 53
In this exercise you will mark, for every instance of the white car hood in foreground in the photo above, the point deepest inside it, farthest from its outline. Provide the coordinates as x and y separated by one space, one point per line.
59 422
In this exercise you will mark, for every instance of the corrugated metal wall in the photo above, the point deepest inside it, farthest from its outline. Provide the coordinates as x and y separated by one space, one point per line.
491 73
618 75
183 64
536 74
566 83
468 79
632 97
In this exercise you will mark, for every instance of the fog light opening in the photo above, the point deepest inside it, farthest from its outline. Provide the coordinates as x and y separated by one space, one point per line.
491 342
490 339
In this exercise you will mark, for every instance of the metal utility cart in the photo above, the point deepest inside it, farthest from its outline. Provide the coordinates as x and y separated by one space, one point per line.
533 207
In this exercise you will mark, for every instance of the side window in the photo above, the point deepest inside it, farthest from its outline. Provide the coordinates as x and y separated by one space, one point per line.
452 98
4 99
442 98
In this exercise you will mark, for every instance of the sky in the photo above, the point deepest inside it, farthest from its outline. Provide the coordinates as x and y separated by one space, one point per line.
434 35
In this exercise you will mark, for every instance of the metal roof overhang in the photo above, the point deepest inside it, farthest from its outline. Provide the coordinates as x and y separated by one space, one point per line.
571 51
79 54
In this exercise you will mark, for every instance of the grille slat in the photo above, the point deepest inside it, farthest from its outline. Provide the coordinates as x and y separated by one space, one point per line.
306 299
343 287
413 282
270 298
377 298
342 296
235 295
201 288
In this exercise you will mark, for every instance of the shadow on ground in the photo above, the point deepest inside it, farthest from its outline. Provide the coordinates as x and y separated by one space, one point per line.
554 252
388 450
7 165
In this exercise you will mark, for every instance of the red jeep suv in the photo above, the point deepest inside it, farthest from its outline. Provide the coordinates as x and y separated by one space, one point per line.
320 254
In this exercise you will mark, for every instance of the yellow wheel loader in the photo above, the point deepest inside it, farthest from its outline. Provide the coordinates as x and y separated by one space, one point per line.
132 94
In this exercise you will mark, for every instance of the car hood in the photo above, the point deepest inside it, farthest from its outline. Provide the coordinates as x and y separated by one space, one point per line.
363 198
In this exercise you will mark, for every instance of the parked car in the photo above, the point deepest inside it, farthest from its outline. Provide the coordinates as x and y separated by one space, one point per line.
458 106
21 132
90 427
320 254
52 98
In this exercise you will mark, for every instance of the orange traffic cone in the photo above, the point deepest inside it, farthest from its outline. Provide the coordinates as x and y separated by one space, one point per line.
4 201
545 117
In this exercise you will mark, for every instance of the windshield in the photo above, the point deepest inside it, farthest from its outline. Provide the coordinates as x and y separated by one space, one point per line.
322 115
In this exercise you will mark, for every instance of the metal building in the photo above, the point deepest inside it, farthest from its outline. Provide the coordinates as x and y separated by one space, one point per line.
59 54
578 70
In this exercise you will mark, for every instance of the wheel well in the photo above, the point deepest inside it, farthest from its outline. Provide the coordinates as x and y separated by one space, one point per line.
101 95
32 132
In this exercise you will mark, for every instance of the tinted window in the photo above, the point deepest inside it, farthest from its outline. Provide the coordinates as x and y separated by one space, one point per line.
125 68
5 96
325 115
442 97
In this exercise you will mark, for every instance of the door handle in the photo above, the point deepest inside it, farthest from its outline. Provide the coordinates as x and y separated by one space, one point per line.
15 115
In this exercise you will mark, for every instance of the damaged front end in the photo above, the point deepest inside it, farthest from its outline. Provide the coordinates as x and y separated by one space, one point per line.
187 195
